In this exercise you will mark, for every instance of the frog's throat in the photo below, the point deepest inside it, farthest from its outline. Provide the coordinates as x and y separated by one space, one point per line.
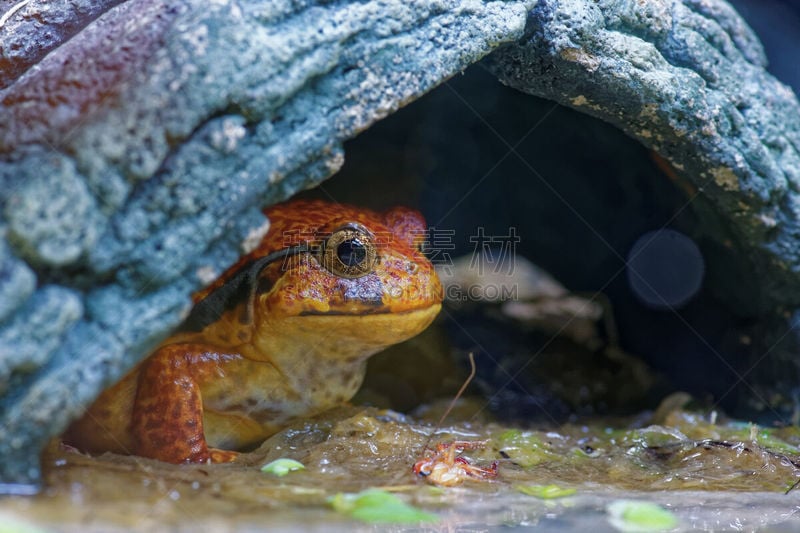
347 338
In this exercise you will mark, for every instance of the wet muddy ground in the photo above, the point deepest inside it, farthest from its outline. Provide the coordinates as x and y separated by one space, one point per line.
706 474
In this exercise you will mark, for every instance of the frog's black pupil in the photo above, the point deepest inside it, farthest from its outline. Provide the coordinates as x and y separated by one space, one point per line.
351 252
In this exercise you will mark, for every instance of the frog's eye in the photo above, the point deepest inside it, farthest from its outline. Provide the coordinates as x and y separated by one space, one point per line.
349 252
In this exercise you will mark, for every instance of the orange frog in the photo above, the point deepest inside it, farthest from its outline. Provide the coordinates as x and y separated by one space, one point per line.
284 333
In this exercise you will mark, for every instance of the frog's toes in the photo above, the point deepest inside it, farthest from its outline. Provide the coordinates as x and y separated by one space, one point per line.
222 456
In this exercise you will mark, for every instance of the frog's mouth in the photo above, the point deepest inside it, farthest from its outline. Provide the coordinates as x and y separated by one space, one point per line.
379 309
366 311
364 333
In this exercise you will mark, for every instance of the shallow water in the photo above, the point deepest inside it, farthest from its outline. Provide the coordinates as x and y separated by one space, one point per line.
727 476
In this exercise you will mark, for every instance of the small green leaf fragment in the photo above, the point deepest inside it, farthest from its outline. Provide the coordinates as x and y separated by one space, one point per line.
545 492
281 467
639 516
379 507
525 448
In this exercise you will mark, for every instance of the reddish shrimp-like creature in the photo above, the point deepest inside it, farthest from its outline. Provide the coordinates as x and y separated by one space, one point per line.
446 469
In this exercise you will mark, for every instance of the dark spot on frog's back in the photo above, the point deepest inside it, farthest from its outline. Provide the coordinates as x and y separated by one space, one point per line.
240 287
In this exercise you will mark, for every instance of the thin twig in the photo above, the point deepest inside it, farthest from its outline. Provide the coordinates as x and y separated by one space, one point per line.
453 401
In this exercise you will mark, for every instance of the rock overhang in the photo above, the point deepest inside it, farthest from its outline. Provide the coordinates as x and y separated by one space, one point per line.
139 145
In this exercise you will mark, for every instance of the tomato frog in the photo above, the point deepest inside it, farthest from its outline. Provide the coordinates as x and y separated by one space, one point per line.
284 333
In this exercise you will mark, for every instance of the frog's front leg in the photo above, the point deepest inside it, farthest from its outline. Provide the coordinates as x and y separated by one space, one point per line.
167 419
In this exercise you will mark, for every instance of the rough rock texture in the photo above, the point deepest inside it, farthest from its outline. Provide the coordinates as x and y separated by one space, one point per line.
687 79
30 32
137 153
